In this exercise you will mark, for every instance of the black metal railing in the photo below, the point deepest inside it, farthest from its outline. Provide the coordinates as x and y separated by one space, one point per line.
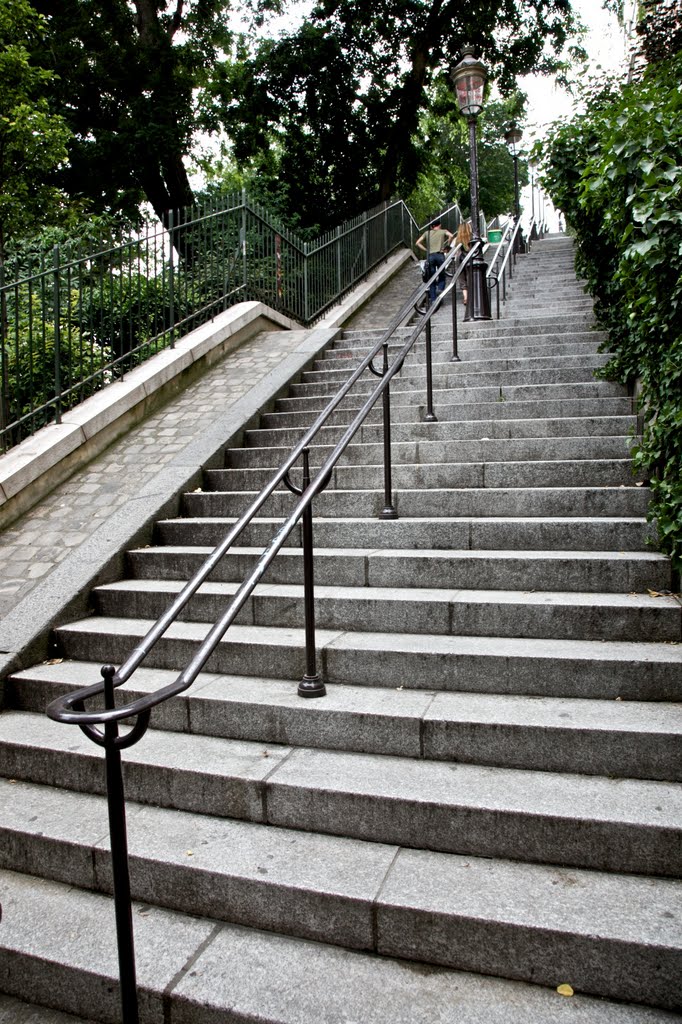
102 724
74 319
502 266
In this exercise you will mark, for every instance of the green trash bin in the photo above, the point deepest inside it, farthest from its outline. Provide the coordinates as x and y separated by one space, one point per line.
494 236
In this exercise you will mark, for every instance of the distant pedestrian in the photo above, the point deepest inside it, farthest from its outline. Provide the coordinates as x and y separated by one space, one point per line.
434 241
463 238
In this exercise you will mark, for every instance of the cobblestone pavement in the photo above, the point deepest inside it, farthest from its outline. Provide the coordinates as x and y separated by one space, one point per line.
40 540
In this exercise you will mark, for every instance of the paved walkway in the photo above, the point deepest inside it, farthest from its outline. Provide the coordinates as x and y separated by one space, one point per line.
42 538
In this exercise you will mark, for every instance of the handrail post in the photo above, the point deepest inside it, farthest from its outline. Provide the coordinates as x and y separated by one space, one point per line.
56 314
430 416
454 358
119 860
311 685
389 510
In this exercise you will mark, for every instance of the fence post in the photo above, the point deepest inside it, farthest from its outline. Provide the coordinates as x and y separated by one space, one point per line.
339 276
243 238
57 339
4 368
171 280
305 282
364 242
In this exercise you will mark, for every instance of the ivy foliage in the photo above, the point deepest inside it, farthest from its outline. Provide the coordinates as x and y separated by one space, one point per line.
615 171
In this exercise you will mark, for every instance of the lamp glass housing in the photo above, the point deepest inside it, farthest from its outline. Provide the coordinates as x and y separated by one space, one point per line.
469 78
470 88
513 137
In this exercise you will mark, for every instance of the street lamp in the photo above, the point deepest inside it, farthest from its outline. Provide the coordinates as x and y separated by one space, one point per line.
469 78
512 138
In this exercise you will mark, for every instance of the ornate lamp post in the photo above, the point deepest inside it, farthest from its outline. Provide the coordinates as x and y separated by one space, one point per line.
512 138
469 78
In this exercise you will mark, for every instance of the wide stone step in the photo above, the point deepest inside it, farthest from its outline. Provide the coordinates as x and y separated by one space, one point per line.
455 413
456 379
508 342
508 326
433 451
233 970
546 667
540 473
572 571
373 896
626 739
541 534
446 400
436 502
455 430
626 825
443 365
562 615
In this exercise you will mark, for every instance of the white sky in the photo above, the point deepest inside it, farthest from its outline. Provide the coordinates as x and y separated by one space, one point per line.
605 46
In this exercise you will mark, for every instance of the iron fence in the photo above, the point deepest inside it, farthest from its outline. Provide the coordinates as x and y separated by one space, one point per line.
72 321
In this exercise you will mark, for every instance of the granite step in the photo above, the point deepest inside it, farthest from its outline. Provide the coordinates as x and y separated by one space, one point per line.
432 451
618 738
232 972
614 825
569 571
492 533
542 667
587 472
561 615
367 896
435 502
494 408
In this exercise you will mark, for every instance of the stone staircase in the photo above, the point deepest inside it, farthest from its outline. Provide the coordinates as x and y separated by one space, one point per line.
485 805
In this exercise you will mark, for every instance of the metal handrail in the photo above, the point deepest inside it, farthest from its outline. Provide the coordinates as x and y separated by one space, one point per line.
513 230
66 708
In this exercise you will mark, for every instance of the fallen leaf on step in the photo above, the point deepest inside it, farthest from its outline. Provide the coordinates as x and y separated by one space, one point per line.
197 490
565 990
640 483
54 661
190 853
654 593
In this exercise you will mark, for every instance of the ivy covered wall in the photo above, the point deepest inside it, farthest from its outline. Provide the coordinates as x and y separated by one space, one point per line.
616 173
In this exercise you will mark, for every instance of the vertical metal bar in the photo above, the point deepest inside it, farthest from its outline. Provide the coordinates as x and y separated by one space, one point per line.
389 510
455 355
305 283
243 238
119 861
311 685
57 340
171 280
430 416
4 367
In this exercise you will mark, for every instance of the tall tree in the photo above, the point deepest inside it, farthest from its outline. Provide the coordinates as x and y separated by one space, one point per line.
32 140
129 71
341 97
